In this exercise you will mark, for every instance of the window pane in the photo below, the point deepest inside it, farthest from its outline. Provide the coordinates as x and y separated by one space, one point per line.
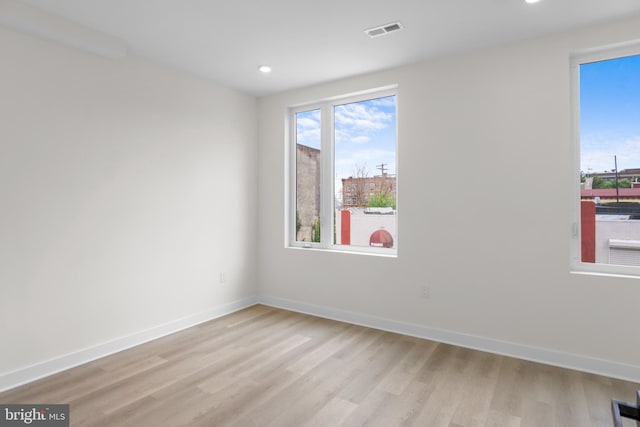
610 161
365 173
308 176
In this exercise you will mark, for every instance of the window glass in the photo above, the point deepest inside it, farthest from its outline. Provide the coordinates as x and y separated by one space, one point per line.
365 171
308 164
345 174
609 152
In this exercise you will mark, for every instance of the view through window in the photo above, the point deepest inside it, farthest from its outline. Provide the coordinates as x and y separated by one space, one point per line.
308 164
609 117
345 174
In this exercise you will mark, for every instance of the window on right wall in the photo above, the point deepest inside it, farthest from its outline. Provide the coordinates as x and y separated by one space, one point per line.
606 129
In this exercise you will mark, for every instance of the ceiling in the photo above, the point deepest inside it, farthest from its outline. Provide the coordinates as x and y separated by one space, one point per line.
307 42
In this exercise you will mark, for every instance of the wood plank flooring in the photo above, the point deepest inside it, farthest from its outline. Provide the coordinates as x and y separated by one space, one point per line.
268 367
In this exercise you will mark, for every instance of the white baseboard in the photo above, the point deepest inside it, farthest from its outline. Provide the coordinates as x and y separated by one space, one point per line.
536 354
43 369
520 351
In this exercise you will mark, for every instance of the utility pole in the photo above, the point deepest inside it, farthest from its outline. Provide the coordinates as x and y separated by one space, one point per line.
381 167
615 160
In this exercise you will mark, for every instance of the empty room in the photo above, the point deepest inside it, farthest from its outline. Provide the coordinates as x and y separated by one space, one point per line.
339 213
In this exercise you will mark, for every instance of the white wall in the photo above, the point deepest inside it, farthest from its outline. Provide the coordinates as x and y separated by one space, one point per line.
482 137
125 189
362 226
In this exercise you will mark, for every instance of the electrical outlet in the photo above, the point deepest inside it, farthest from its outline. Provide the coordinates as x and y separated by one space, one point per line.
223 277
426 292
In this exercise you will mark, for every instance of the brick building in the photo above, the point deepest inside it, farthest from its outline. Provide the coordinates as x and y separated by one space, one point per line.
357 191
631 174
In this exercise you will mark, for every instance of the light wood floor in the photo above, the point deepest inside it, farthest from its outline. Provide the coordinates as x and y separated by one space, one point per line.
270 367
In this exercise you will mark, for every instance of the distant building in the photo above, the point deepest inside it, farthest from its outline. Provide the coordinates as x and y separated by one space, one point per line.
632 175
307 190
357 191
608 195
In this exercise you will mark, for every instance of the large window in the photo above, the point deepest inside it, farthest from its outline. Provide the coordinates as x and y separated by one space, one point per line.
606 88
343 182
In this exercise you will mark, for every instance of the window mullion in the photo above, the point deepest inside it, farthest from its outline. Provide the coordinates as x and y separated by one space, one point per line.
326 177
292 179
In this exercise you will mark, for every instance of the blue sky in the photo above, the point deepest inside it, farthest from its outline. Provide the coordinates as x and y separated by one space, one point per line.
610 114
365 136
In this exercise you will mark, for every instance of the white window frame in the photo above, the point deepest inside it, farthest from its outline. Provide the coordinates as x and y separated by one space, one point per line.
327 173
577 59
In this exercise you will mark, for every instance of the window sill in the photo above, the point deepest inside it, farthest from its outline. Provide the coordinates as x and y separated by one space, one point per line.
354 251
605 270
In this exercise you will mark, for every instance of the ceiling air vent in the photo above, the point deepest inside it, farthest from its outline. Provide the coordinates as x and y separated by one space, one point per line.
383 29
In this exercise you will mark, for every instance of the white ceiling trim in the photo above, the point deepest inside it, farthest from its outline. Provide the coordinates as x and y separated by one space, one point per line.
31 20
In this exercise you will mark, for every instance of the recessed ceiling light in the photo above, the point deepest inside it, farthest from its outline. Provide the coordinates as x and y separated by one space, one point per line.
264 69
531 1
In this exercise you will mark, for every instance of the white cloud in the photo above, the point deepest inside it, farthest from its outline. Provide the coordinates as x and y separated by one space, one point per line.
309 138
388 101
361 116
345 166
364 156
308 123
354 123
362 139
359 127
308 128
602 158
